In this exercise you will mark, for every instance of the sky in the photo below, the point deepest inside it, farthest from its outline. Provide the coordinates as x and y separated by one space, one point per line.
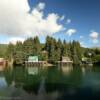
65 19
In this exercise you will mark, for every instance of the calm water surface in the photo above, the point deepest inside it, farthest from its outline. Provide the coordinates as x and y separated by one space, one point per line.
55 83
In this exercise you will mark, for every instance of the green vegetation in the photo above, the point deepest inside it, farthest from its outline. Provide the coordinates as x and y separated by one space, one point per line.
52 50
3 48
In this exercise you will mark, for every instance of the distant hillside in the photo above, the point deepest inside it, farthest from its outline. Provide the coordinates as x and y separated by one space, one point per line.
3 48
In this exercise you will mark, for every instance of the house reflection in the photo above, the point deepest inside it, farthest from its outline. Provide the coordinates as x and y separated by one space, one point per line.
33 70
66 69
86 69
83 70
3 82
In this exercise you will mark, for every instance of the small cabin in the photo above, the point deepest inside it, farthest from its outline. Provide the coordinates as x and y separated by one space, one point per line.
33 59
87 61
65 59
1 61
2 64
44 52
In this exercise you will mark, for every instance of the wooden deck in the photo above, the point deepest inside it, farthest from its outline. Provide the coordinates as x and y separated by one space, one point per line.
64 63
3 65
34 64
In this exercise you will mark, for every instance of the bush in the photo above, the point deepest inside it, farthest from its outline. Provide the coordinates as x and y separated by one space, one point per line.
96 59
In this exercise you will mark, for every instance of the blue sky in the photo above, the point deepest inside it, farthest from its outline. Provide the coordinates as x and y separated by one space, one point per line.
79 18
84 15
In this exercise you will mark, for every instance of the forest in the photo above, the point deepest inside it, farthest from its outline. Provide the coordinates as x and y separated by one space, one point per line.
51 51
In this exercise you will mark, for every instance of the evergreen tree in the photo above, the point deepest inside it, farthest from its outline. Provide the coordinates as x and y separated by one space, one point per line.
58 50
28 47
36 46
10 51
64 49
51 51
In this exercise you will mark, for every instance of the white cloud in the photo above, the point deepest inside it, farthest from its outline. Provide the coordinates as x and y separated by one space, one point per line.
70 32
68 21
13 40
41 6
95 41
17 22
94 36
82 44
81 37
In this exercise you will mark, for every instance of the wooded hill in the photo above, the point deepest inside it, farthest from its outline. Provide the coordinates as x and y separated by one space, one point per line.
52 50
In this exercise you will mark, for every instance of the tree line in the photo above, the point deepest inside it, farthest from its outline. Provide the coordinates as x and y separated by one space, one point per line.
52 50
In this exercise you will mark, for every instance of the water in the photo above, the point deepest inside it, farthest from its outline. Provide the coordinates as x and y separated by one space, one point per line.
54 83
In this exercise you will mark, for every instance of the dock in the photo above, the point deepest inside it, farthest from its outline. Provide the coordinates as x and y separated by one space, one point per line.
65 61
33 61
34 64
3 64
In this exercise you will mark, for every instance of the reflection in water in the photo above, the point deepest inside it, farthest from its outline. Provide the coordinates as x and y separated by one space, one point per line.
66 69
33 70
3 83
87 69
92 79
83 70
42 95
51 84
42 86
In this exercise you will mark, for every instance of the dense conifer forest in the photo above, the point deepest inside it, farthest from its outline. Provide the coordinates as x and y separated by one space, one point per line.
52 50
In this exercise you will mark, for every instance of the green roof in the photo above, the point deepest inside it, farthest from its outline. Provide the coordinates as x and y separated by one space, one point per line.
33 58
